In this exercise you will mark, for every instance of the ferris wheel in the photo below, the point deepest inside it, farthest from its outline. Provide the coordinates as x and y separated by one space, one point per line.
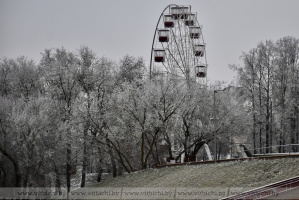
178 48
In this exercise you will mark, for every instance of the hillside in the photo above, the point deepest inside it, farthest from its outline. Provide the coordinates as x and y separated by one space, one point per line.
237 176
231 174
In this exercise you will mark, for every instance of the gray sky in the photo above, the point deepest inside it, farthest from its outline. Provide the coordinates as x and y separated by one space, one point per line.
114 28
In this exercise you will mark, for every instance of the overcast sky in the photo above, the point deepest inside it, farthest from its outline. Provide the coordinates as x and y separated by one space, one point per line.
115 28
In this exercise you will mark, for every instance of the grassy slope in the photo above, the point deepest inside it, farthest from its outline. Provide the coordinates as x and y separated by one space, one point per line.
232 174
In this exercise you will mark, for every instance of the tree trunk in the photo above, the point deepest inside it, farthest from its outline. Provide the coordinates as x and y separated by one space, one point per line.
16 166
186 154
68 152
151 147
119 169
254 128
100 170
268 116
99 165
253 111
85 131
297 129
26 177
187 151
261 140
2 177
267 134
114 168
142 150
280 150
293 133
268 102
260 114
198 147
68 167
169 146
271 127
282 132
157 158
57 179
113 163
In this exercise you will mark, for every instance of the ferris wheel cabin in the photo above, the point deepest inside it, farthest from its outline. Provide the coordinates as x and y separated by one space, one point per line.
159 55
199 50
163 35
200 71
179 12
168 21
195 32
190 19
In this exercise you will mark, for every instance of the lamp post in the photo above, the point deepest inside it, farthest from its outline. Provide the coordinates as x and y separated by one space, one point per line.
214 113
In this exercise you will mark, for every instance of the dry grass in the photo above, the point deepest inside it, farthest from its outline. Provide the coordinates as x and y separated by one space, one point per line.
253 173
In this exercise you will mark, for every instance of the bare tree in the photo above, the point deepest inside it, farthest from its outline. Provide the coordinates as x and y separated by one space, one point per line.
61 72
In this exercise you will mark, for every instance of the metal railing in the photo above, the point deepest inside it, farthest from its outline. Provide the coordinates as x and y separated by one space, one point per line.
277 149
270 190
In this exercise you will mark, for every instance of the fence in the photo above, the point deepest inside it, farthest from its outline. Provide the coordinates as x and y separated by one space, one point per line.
277 149
267 191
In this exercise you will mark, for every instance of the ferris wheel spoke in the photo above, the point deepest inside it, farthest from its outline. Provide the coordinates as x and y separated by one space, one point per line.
171 62
182 44
176 61
177 48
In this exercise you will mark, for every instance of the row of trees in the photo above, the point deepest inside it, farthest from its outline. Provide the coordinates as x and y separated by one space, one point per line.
74 108
270 78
